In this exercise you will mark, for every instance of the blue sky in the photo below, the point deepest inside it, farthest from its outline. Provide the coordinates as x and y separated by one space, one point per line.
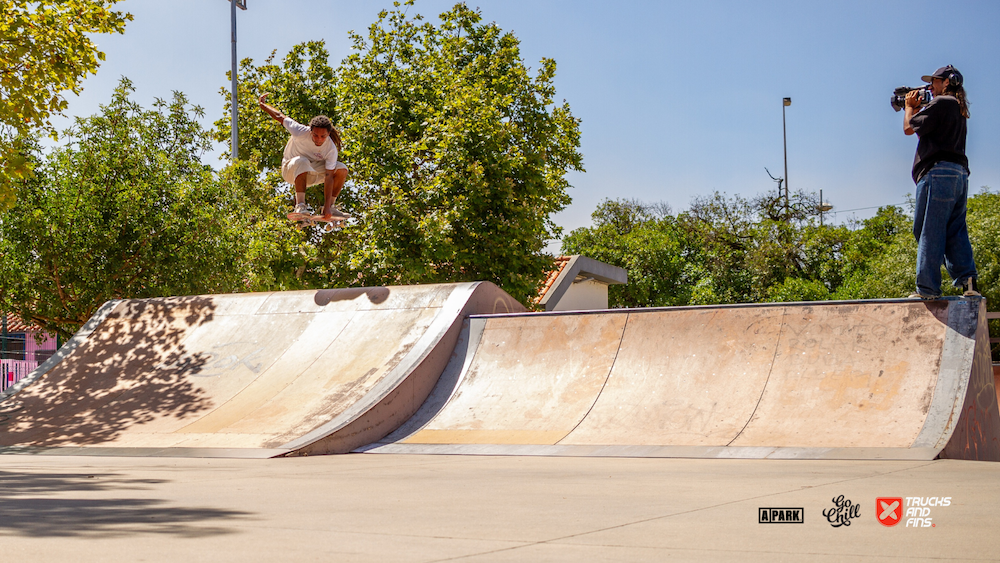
677 99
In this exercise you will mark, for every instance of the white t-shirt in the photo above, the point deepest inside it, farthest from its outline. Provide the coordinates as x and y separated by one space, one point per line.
300 144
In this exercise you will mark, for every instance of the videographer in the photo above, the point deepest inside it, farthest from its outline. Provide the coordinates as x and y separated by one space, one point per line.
941 172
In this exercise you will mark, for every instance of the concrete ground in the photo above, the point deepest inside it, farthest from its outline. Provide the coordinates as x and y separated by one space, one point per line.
366 507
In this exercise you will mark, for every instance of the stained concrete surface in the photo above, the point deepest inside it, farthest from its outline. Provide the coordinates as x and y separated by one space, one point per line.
415 508
903 379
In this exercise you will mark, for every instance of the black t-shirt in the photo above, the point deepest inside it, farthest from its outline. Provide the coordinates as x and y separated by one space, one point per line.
941 129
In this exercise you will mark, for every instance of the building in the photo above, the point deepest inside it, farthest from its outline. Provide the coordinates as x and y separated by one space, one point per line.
579 283
20 351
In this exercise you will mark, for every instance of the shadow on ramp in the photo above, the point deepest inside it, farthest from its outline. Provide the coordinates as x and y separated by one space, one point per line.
110 382
243 375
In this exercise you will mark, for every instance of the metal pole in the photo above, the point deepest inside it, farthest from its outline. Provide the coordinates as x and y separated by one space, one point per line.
821 208
3 337
784 139
235 116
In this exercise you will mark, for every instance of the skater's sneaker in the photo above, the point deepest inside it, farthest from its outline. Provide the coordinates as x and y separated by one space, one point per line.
971 288
302 209
336 214
922 296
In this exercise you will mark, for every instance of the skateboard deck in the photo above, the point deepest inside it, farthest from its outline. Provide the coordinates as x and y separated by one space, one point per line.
307 220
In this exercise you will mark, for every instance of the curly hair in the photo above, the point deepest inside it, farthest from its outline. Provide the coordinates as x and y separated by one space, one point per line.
323 122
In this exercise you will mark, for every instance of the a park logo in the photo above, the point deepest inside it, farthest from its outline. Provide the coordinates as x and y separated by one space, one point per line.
889 510
780 515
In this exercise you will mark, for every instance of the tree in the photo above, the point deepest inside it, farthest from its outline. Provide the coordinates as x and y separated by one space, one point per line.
743 250
984 231
302 86
879 260
45 50
126 209
457 155
647 242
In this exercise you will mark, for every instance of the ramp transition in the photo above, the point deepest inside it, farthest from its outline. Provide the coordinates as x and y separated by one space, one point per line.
894 379
243 375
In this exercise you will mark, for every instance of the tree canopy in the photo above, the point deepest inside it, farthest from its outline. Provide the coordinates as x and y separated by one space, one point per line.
124 209
45 50
738 250
457 154
302 85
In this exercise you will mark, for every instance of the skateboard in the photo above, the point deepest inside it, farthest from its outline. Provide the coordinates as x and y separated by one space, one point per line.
306 220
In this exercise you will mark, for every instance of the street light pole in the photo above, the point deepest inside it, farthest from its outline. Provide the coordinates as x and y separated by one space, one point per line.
784 137
242 4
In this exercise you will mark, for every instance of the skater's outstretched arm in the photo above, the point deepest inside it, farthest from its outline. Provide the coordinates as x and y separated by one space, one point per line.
271 110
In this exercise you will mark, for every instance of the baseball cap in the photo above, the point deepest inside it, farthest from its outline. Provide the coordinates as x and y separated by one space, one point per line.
949 72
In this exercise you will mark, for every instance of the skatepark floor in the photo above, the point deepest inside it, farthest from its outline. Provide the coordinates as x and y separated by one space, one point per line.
416 508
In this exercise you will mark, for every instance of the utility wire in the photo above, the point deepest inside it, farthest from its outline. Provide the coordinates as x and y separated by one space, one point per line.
867 208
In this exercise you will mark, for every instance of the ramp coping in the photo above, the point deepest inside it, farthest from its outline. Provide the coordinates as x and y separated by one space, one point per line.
421 349
722 306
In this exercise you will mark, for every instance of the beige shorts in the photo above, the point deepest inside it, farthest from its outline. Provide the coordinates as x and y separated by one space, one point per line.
316 174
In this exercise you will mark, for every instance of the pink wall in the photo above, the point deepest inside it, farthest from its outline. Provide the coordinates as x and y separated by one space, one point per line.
12 371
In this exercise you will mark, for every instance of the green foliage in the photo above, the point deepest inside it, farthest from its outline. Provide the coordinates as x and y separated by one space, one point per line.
126 209
45 50
798 289
646 241
879 260
984 231
739 250
457 155
302 86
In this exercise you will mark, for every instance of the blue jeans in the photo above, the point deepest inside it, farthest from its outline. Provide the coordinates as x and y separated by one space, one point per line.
940 229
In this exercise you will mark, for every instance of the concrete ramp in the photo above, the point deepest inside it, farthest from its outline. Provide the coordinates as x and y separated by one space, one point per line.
243 375
895 379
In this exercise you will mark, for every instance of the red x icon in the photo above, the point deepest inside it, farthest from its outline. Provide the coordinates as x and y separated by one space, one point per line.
889 510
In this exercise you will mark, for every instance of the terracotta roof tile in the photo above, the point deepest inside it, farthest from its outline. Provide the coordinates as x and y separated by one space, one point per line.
561 263
15 324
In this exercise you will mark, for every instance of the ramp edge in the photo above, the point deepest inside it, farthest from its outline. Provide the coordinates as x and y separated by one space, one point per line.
398 396
243 453
696 452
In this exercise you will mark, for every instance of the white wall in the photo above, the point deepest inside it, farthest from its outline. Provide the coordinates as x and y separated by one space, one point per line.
584 296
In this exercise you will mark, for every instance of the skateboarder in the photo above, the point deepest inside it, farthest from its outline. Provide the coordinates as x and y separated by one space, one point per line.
941 172
310 158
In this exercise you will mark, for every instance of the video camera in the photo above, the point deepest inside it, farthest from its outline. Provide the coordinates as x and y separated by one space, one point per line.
898 99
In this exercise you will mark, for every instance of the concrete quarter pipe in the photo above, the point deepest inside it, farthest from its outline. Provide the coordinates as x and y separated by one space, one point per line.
243 375
894 379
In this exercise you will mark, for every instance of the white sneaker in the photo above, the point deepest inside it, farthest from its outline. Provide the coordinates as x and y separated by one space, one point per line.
337 214
302 209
